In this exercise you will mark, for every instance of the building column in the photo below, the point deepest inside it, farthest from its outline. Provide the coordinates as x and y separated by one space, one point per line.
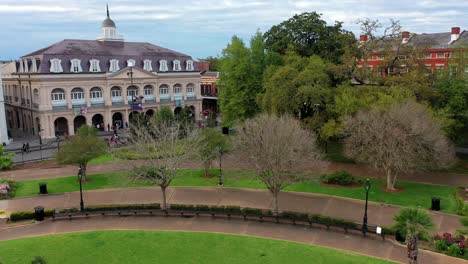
71 130
125 118
107 118
87 97
124 95
50 124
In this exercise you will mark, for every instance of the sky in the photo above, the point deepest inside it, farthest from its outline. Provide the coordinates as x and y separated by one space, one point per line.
202 28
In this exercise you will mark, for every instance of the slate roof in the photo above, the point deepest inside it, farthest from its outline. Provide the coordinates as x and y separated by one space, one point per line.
104 51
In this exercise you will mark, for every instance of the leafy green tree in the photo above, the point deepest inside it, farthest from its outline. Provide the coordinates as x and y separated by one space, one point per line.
212 145
163 115
241 79
6 159
214 63
413 223
309 35
81 148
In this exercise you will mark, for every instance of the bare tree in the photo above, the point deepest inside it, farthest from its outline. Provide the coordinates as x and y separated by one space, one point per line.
276 147
165 146
400 139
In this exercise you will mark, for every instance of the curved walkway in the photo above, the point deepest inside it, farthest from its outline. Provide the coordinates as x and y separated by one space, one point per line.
351 209
368 246
448 179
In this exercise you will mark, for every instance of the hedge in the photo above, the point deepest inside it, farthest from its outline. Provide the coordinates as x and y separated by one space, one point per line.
27 215
116 207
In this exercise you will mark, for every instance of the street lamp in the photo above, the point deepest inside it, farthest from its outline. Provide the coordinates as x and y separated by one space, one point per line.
130 73
220 154
80 178
364 223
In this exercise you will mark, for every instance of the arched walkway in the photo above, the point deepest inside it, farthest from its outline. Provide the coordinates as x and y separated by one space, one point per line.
177 111
117 120
150 112
98 119
61 126
38 125
78 122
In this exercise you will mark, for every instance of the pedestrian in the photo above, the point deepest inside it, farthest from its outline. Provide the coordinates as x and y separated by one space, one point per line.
27 147
126 124
98 126
24 147
102 127
108 127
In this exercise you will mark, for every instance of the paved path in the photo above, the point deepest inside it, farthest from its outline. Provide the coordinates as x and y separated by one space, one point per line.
338 207
314 236
449 179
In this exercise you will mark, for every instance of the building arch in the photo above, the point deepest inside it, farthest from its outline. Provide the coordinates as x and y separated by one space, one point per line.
61 127
150 112
117 120
96 120
78 122
177 111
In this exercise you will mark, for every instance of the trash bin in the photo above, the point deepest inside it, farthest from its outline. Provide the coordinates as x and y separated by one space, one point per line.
39 213
435 205
43 188
226 130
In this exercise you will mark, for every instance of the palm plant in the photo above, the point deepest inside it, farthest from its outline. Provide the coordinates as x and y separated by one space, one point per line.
414 223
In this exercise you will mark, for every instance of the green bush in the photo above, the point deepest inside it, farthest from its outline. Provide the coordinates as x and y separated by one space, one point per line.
117 207
183 207
440 245
252 211
6 159
232 209
340 178
28 215
12 188
202 208
295 216
454 251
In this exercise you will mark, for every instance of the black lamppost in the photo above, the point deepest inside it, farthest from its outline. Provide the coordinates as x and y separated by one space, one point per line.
130 73
80 178
364 223
220 179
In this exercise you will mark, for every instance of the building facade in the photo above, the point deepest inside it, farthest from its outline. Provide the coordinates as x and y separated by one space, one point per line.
438 51
4 138
53 91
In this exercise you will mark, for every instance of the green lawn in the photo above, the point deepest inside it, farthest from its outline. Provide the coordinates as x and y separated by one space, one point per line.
413 194
169 247
108 157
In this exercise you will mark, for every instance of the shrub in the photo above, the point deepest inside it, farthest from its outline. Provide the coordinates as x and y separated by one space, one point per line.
454 251
295 216
232 209
28 215
116 207
340 178
6 159
202 208
440 246
183 207
7 189
251 211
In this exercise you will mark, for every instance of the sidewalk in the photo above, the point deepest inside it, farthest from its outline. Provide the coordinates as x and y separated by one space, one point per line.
338 207
312 236
448 179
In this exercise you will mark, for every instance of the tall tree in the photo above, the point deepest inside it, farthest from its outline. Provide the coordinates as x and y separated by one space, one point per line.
402 138
309 35
212 145
163 138
413 223
241 71
81 148
275 146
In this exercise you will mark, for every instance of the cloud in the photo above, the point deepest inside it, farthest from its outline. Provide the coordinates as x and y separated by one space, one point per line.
33 8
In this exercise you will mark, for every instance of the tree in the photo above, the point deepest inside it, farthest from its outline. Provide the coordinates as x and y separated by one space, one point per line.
241 71
163 115
309 35
173 142
81 148
276 146
6 159
212 145
399 139
413 223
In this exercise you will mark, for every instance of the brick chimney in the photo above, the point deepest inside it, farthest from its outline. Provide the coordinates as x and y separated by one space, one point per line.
455 34
363 38
405 36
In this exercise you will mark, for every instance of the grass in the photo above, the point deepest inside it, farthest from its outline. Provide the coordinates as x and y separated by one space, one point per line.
413 194
335 153
169 247
106 158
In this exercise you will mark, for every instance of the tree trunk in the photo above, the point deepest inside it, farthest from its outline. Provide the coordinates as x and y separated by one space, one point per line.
390 182
275 203
412 247
164 203
83 176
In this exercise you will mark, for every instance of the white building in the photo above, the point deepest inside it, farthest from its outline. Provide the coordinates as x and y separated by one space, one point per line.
3 125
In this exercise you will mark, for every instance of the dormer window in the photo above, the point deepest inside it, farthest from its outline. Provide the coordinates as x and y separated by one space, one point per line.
56 65
176 65
163 65
94 66
34 65
147 65
114 65
26 68
130 63
76 65
189 66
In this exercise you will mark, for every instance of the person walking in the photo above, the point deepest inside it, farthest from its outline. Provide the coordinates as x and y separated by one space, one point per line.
108 127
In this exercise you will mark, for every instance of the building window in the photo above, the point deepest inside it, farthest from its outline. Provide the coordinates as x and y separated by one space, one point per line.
114 65
380 57
131 63
190 88
148 90
427 55
177 89
163 65
94 66
116 91
76 65
132 91
58 94
176 66
189 66
147 65
95 93
440 55
163 89
56 66
77 94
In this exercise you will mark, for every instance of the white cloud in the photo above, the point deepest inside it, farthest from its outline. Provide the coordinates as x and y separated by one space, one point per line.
33 8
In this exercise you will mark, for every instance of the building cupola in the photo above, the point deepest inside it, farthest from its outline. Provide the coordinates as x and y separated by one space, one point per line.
109 30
